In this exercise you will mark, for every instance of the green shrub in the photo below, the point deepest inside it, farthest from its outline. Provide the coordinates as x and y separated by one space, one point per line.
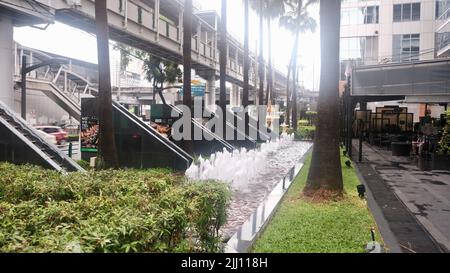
84 164
303 122
444 143
108 211
305 132
311 116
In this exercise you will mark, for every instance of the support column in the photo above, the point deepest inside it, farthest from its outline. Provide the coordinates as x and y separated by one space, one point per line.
6 61
234 93
156 18
210 94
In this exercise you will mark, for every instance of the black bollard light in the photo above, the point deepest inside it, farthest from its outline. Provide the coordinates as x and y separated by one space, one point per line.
361 190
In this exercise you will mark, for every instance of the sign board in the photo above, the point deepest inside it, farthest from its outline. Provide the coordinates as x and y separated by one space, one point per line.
196 90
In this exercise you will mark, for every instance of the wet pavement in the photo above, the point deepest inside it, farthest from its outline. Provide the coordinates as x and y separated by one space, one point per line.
414 201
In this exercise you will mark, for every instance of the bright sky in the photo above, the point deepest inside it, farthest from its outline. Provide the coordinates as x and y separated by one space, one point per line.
71 42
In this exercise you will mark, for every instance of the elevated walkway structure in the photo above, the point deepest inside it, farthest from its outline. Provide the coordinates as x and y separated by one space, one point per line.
20 143
155 26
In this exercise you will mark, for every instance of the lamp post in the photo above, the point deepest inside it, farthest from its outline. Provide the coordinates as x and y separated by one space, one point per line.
25 70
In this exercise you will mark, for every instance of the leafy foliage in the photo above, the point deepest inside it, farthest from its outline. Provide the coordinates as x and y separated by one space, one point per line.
155 68
161 71
108 211
305 131
444 144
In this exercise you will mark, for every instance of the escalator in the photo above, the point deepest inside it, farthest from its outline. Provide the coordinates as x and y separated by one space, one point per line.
20 144
257 134
205 147
138 145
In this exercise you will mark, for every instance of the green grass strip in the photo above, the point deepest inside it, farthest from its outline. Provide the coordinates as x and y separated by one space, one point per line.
300 226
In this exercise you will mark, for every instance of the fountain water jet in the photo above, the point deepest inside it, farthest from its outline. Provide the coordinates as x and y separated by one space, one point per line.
251 174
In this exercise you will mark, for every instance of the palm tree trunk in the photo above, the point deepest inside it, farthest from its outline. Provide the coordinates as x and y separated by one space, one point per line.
187 64
261 54
245 90
270 74
325 174
294 82
223 57
107 145
288 85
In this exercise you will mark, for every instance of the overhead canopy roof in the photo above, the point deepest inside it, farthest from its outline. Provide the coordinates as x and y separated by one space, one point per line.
418 79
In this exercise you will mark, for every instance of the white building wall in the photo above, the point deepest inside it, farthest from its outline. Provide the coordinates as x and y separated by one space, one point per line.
386 28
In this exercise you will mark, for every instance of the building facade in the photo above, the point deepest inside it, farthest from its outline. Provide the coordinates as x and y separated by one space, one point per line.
392 31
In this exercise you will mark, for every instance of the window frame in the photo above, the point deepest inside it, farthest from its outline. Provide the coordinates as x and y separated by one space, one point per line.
406 9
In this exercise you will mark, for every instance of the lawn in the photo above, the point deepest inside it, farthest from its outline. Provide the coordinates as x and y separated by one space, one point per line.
333 227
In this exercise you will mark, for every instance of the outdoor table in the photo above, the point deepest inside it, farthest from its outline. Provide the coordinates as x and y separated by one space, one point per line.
401 148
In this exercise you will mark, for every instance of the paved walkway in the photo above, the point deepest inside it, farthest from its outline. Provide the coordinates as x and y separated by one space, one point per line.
424 196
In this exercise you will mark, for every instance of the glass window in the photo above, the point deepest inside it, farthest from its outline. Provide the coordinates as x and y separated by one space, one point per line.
407 12
415 10
442 9
371 15
356 16
362 49
397 13
406 48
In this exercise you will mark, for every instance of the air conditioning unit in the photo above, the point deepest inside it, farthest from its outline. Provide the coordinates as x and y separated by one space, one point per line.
74 3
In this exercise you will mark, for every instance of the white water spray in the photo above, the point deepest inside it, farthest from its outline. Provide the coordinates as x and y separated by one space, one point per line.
239 167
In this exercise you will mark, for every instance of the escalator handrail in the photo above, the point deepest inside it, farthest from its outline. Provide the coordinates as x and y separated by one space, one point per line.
212 114
180 152
204 128
64 159
237 116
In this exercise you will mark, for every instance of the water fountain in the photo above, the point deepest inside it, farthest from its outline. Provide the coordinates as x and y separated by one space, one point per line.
252 174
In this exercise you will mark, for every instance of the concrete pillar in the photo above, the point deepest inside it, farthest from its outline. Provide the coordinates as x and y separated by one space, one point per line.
234 95
6 61
210 93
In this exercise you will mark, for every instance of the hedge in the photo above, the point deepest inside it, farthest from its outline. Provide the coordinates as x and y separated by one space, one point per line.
108 211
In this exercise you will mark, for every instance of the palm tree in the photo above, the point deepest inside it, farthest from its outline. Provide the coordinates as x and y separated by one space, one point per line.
246 55
107 145
325 174
266 9
223 57
297 20
187 63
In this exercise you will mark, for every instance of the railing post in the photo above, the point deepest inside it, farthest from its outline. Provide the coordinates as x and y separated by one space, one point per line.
23 100
57 74
70 149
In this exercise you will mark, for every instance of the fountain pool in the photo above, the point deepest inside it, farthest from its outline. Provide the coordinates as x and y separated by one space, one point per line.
252 174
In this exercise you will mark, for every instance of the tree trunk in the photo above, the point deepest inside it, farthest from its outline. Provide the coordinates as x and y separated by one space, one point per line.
245 90
288 85
325 174
107 145
261 54
294 83
154 91
187 64
269 94
223 57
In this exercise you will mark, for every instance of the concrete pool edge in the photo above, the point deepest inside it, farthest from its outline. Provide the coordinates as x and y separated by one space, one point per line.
246 235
